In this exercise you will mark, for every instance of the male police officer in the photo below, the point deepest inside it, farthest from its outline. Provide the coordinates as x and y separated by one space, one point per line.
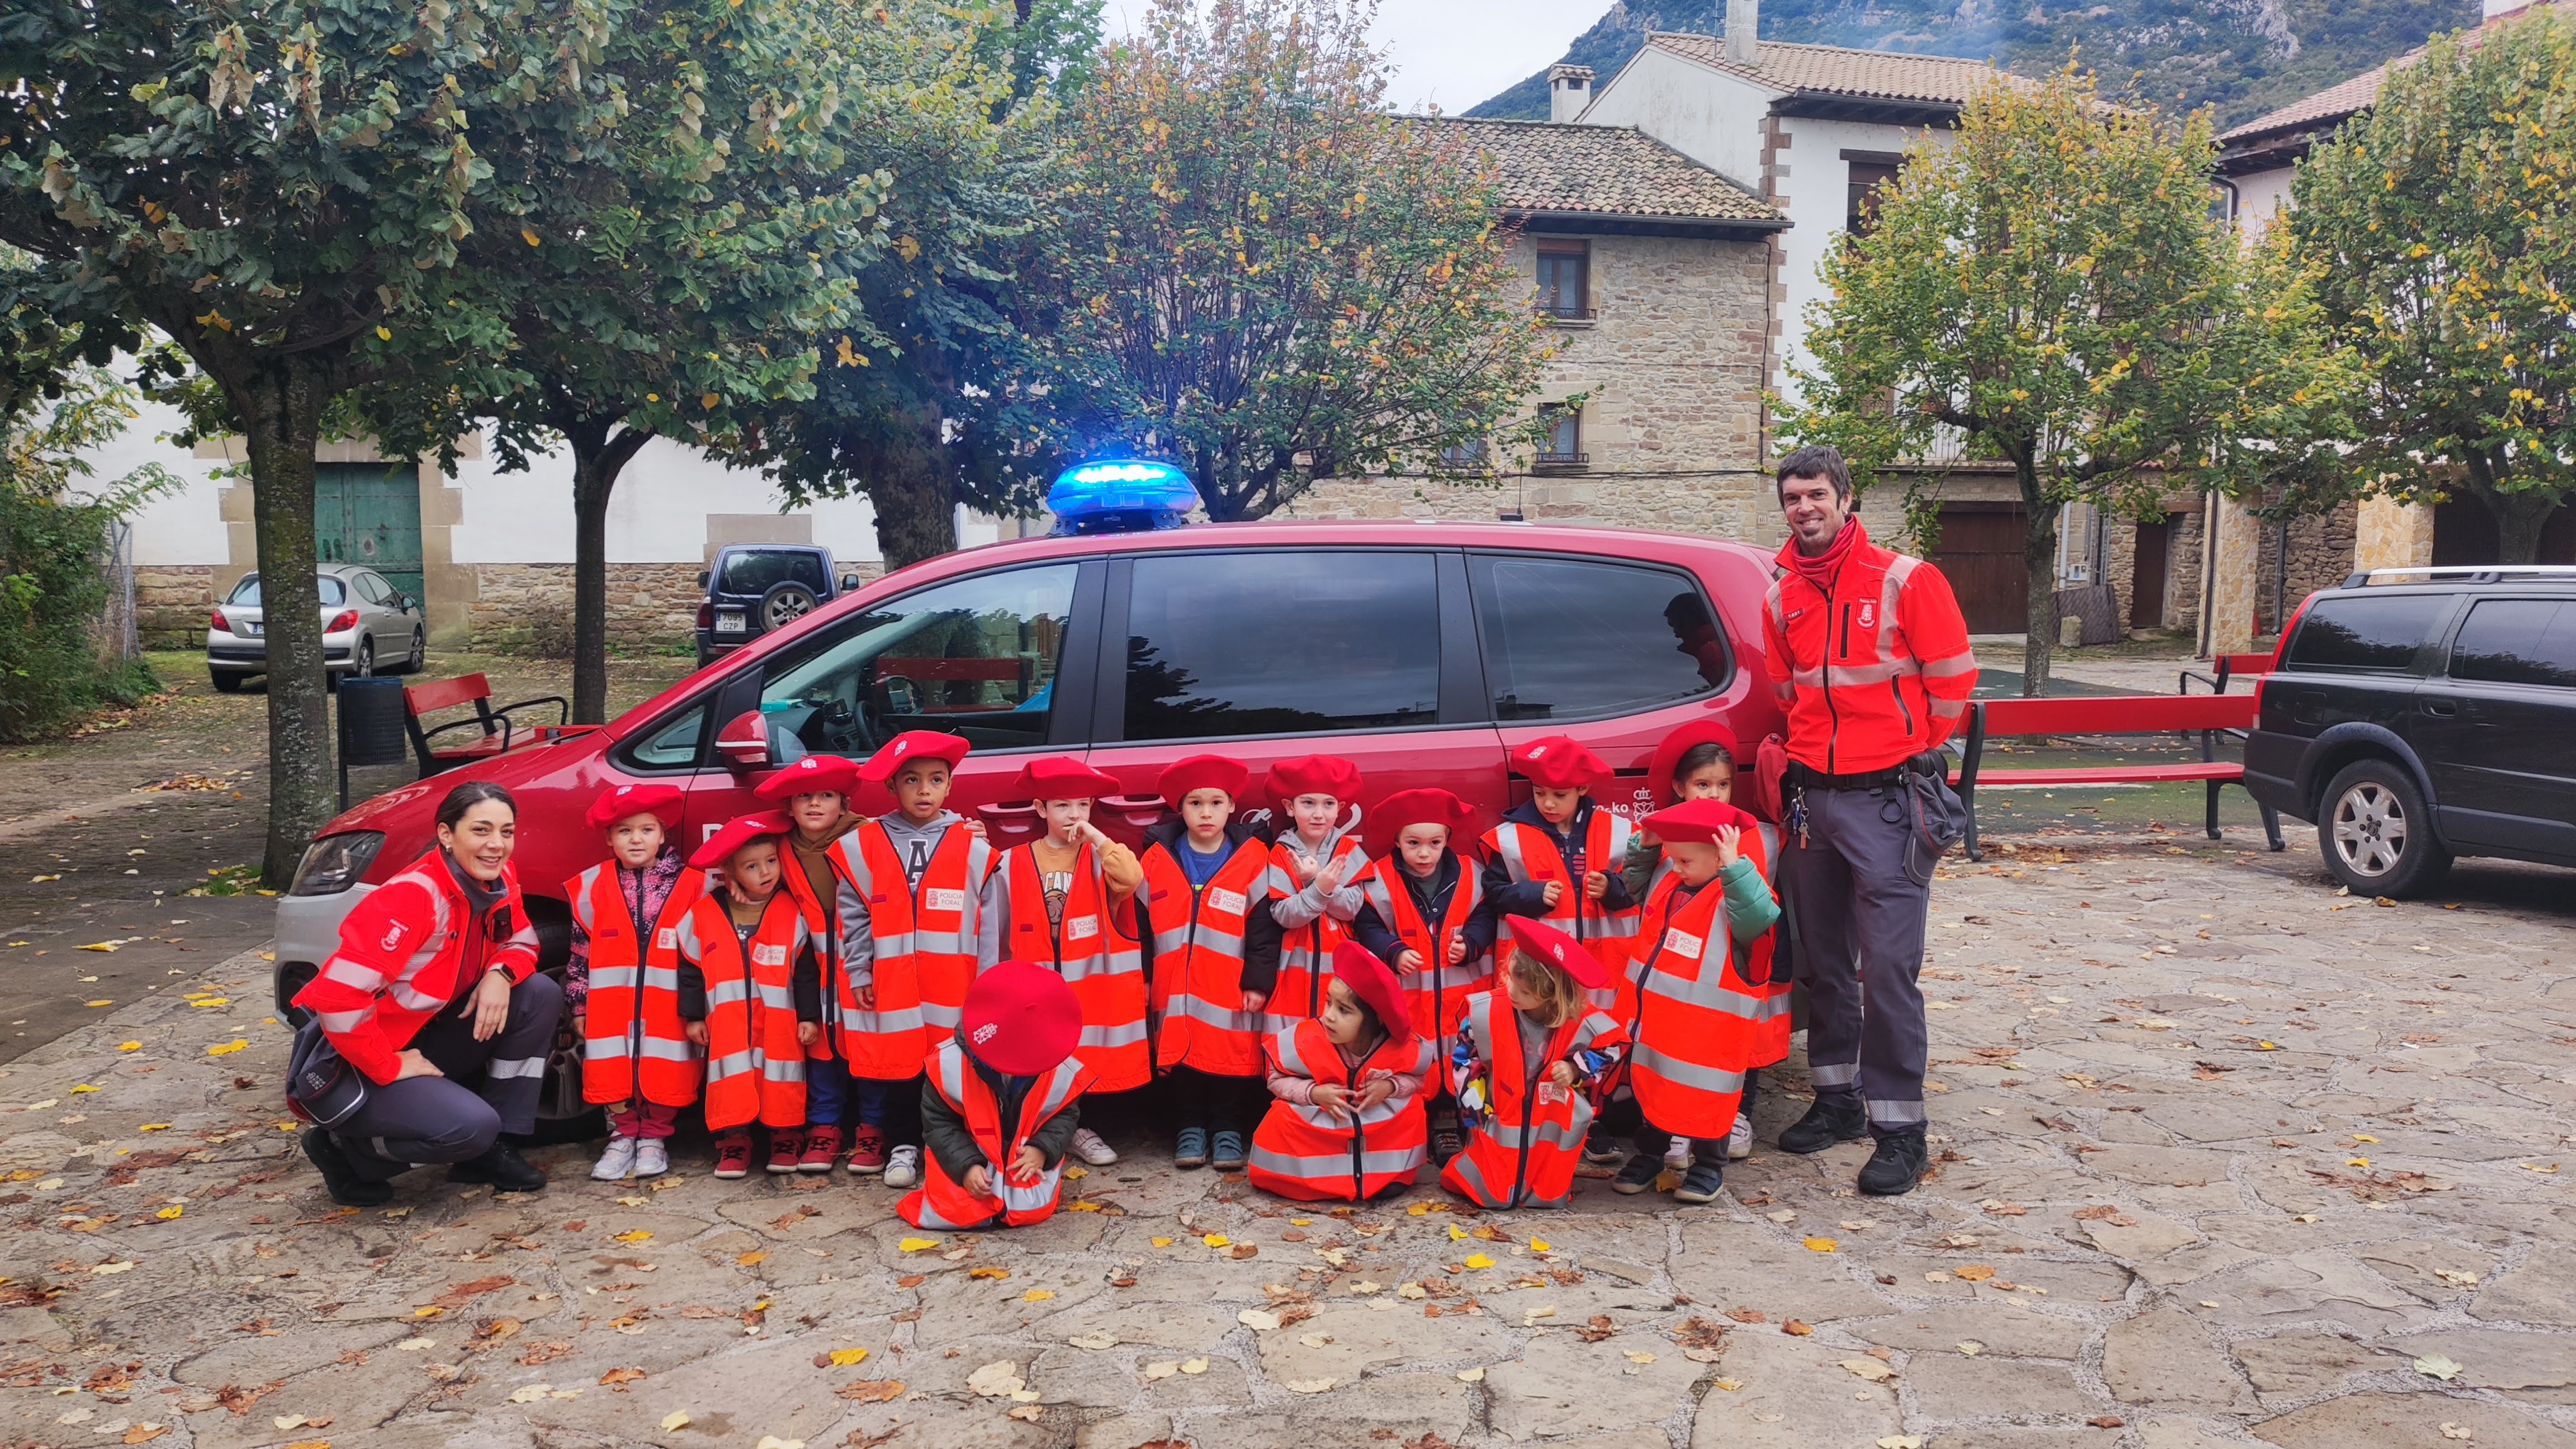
1869 655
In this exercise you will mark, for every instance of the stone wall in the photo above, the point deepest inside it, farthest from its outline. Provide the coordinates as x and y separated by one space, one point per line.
2322 549
2182 579
171 603
528 607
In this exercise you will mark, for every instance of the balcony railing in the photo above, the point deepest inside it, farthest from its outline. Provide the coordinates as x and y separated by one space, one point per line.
1563 460
1561 314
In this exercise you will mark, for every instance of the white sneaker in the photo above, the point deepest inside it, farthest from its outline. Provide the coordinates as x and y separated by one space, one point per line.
1739 1143
903 1167
1677 1156
616 1161
652 1158
1088 1146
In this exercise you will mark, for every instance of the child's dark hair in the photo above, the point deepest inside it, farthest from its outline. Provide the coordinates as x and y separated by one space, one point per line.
451 811
1368 1013
1699 757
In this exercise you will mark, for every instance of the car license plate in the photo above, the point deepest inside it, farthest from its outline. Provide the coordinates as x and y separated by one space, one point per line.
729 621
252 627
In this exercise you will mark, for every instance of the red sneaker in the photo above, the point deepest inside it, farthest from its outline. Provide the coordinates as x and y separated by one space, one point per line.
733 1155
822 1147
786 1145
868 1152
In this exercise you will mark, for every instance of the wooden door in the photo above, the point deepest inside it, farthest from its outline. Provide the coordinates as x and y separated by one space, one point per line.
2147 583
1981 554
369 513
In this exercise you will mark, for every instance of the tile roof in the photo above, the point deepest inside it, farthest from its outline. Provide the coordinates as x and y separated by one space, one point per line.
1839 70
2325 109
1607 171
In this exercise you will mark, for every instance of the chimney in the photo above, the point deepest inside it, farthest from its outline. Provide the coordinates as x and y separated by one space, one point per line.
1743 19
1569 90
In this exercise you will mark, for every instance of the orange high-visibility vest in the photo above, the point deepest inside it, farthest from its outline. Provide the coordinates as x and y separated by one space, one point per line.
1695 1017
755 1068
1313 1155
943 1203
1197 972
1523 1152
1438 992
1768 1044
1611 936
1092 949
633 1044
1306 953
924 948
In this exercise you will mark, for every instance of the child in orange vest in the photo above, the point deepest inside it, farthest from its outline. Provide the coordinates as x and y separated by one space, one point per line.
815 793
1314 890
1347 1124
1526 1060
1212 956
1423 911
635 1059
1698 1007
909 886
750 992
1002 1104
1064 901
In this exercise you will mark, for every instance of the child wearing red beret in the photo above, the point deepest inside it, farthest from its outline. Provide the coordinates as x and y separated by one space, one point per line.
1347 1124
750 993
1064 900
1002 1104
1315 869
1212 956
635 1058
1424 912
1527 1061
814 792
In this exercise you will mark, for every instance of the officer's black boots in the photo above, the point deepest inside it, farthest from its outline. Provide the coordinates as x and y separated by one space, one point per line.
503 1167
346 1187
1897 1164
1836 1118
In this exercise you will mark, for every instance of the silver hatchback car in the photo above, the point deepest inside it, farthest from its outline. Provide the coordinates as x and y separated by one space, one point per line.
367 626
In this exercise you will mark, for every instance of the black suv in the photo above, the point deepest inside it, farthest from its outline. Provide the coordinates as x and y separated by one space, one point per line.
2415 715
753 588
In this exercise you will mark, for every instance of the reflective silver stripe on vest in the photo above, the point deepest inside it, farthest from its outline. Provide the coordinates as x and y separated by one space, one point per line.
782 1069
727 993
1709 992
612 978
1689 1074
581 904
670 1051
1208 1013
883 1022
1338 1164
1891 584
731 1064
337 1022
939 1015
1130 1033
1028 1199
608 1049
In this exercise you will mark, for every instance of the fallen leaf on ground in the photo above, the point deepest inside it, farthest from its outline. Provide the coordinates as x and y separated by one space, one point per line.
990 1274
1162 1370
1821 1245
1637 1356
1025 1413
1194 1365
2106 1421
2438 1366
751 1260
1971 1347
1259 1320
530 1393
1901 1441
1868 1369
675 1420
997 1380
844 1357
1310 1386
1471 1376
1479 1261
1037 1295
620 1376
915 1245
2457 1431
872 1391
1973 1272
1094 1341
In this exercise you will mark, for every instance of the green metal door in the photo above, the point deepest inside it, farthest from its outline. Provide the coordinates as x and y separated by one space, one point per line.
369 514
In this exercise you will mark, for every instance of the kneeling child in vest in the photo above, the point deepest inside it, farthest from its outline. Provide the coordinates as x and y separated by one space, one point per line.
750 990
620 985
1002 1104
1525 1065
1212 957
1347 1123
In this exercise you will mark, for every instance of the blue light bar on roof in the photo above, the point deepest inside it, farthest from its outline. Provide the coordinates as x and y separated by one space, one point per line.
1120 495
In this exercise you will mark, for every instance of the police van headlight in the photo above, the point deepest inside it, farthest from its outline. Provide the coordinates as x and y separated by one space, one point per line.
333 863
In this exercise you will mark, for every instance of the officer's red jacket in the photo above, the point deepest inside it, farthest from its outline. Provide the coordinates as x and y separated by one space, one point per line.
1874 666
412 948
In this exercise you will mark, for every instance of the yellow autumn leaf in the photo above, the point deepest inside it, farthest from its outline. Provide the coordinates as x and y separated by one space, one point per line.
1162 1242
1821 1245
84 1087
1456 1233
751 1260
2361 1162
915 1245
1217 1240
96 1003
129 1046
530 237
228 1048
167 1213
153 1127
844 1357
633 1235
709 400
1539 1245
1479 1260
384 334
1036 1295
212 1001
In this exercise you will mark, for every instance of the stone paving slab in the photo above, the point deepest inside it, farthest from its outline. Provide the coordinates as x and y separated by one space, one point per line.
2222 1156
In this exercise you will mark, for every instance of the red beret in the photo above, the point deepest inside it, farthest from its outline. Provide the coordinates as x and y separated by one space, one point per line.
1020 1020
622 801
1202 772
1314 775
810 774
1660 771
1547 943
1559 762
1374 983
738 832
909 746
1696 821
1381 826
1062 777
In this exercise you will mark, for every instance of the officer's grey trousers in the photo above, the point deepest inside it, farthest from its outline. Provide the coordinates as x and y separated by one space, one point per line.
1860 920
424 1120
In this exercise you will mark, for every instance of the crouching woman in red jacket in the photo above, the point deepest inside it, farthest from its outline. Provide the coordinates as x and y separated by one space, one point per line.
435 982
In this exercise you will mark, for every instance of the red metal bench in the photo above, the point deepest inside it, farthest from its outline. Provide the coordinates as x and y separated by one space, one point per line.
2113 715
2224 668
500 734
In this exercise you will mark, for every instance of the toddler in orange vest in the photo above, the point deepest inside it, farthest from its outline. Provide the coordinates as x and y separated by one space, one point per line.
1525 1065
815 794
1212 957
1316 864
750 992
1002 1104
1064 901
634 1058
1423 911
1347 1124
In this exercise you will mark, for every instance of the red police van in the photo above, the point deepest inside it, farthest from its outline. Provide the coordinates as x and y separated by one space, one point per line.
1425 652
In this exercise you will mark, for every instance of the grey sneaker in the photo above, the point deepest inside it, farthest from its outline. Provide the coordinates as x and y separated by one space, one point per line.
652 1158
1739 1143
903 1167
1702 1183
616 1161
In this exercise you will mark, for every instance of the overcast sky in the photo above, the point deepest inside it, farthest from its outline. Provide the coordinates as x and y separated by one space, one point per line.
1454 53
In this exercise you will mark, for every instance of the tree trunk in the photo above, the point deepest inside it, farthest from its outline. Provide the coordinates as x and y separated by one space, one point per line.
281 408
2039 557
597 460
2520 519
915 499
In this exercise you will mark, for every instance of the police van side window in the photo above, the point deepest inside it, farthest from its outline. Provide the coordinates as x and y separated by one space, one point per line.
2379 635
1578 638
1281 641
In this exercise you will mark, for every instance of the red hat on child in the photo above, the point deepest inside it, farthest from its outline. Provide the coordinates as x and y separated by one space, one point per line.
1020 1020
738 832
1374 983
1559 762
1381 826
1062 777
909 746
1314 775
808 775
1560 950
1202 772
662 802
1696 821
1666 765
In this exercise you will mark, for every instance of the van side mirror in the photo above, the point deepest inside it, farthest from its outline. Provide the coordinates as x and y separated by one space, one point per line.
744 743
849 583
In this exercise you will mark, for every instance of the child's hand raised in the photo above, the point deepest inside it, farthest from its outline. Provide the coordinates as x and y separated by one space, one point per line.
1728 839
1554 892
1328 878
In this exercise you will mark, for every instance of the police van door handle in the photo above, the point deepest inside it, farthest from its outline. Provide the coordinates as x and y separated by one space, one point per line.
2438 708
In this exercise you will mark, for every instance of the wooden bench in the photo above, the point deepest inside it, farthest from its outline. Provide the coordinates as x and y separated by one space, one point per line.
500 733
2205 714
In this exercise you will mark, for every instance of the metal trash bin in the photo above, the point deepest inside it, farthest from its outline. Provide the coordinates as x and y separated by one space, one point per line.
371 727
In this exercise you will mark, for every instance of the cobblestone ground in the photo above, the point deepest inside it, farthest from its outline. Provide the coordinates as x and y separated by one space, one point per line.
2224 1158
